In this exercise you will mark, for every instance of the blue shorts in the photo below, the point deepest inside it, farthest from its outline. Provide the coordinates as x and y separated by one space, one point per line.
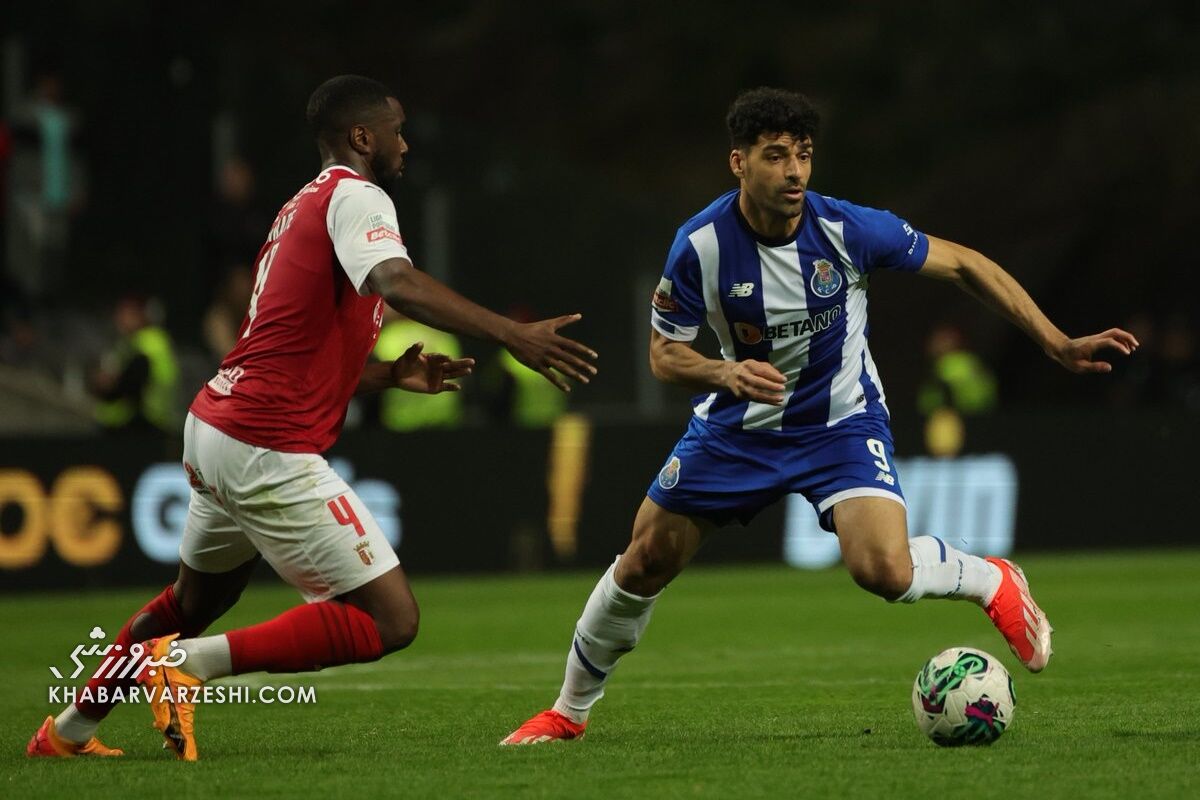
723 474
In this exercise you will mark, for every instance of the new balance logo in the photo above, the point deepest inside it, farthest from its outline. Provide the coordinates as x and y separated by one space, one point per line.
886 478
741 290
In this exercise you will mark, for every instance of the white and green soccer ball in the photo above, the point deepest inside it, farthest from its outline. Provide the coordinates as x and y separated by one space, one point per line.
963 696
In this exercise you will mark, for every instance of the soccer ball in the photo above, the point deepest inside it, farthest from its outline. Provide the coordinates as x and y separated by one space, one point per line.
963 696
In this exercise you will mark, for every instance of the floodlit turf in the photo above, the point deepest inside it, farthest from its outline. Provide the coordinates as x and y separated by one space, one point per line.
751 682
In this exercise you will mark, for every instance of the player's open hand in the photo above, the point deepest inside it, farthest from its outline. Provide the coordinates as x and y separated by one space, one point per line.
539 346
428 373
757 381
1079 355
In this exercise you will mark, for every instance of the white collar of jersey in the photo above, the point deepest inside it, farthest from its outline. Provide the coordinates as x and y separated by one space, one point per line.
340 166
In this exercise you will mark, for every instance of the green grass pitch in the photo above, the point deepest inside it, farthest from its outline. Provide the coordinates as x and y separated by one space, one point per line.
750 682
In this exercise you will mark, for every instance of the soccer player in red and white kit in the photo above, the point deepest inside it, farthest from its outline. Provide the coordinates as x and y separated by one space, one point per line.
255 432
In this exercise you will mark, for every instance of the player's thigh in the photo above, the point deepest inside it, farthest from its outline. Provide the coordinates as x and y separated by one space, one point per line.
663 543
216 560
311 527
873 536
212 544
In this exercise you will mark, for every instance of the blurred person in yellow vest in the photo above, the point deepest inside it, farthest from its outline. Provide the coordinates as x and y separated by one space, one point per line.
517 395
137 381
959 384
407 411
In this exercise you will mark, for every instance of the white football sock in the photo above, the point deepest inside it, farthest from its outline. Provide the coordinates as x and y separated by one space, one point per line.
74 726
207 657
611 625
939 570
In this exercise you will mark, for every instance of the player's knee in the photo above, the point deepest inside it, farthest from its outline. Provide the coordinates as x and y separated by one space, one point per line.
882 575
645 569
144 627
398 628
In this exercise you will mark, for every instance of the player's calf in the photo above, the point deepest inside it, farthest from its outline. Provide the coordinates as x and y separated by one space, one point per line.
204 597
940 570
645 571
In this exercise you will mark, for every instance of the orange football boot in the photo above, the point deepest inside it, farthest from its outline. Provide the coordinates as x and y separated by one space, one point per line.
547 726
172 716
47 743
1018 618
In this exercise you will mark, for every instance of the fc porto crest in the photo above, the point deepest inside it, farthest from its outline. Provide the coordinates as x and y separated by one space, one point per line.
826 280
669 476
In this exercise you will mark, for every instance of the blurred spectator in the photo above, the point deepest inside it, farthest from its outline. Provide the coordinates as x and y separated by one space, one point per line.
225 314
1133 380
407 411
5 155
47 189
958 384
137 381
1179 362
237 227
18 335
958 378
1166 371
516 395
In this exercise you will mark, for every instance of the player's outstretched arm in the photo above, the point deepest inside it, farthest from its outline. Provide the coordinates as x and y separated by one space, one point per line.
415 371
537 345
679 363
984 279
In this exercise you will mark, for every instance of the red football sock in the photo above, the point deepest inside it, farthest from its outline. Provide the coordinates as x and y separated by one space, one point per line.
306 638
165 617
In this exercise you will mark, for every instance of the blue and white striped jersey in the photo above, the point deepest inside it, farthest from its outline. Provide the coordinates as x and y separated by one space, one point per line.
800 304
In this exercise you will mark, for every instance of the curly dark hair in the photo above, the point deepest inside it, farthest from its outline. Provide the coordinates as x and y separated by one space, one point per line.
343 101
772 111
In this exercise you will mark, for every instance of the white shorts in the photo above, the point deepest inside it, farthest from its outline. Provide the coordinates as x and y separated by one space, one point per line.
291 507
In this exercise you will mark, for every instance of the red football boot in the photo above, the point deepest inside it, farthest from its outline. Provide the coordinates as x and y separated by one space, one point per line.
547 726
1018 618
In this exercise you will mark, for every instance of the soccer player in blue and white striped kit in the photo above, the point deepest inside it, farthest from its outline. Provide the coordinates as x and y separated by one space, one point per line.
795 404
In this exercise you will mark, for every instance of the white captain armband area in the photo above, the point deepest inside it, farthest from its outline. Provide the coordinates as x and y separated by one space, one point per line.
362 224
678 333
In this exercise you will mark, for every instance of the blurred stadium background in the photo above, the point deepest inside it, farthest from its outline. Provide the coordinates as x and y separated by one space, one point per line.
145 147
